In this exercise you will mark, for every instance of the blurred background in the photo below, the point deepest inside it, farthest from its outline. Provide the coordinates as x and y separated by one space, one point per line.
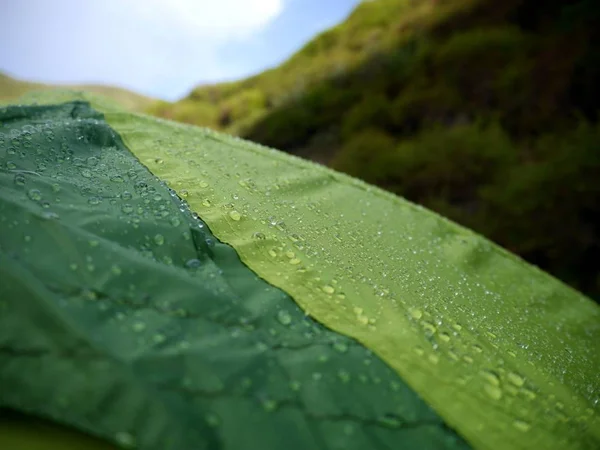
485 111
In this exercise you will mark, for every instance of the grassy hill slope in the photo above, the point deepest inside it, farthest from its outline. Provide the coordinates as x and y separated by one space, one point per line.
375 27
484 111
11 89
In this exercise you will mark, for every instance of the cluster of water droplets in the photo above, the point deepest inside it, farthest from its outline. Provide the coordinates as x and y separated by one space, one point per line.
383 263
149 285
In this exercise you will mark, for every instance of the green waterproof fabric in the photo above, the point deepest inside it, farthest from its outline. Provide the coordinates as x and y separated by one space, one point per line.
122 316
504 353
508 355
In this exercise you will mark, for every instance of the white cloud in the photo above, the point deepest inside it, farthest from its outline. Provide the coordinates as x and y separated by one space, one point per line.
158 47
224 19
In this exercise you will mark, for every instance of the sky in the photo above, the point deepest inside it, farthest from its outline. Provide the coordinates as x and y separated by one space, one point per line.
161 48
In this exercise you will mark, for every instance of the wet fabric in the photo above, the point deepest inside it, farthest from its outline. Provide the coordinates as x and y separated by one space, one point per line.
504 353
122 316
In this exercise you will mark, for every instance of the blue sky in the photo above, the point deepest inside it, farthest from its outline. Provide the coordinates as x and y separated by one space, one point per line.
161 48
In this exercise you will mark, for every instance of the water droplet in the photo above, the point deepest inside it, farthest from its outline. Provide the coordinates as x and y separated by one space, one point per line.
284 317
10 165
390 421
159 338
416 313
34 194
203 184
175 221
125 439
515 379
116 270
493 391
491 377
206 203
340 346
273 253
19 179
434 359
159 239
88 294
444 337
138 327
295 386
94 201
344 376
529 394
86 173
429 327
117 179
521 425
212 420
158 161
269 405
478 348
193 263
328 289
127 208
246 383
295 261
92 161
235 215
50 215
260 236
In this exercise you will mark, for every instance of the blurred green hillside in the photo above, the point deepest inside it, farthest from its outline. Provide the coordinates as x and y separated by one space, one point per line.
483 110
11 89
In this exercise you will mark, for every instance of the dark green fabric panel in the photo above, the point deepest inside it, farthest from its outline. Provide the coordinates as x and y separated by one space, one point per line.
121 315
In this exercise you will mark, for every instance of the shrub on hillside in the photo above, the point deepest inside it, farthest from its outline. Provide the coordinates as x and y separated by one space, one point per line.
365 155
548 208
244 104
196 113
423 104
372 112
451 163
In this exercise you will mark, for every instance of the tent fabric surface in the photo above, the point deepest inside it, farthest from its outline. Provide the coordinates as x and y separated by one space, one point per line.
504 353
125 317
